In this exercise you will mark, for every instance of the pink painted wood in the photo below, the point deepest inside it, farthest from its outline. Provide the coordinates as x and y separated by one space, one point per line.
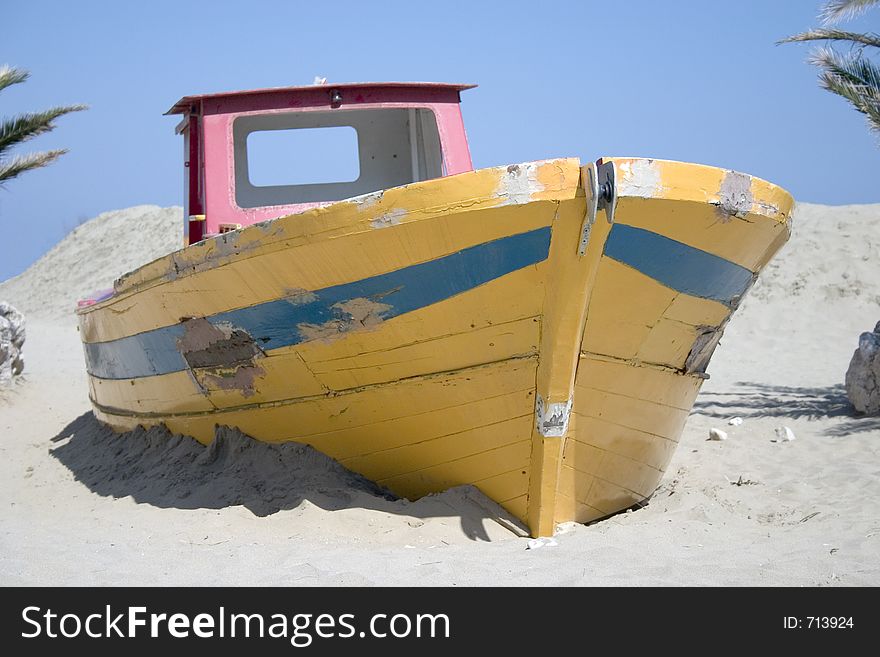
218 111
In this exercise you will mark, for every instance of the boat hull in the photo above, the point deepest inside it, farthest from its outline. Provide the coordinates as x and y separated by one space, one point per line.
490 328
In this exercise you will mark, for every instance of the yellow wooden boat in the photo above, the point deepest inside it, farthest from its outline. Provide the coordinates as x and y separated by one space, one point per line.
538 330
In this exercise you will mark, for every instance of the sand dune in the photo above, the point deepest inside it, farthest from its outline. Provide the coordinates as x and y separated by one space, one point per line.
83 506
91 257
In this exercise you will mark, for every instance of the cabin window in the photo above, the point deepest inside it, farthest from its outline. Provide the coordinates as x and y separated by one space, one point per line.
302 156
319 156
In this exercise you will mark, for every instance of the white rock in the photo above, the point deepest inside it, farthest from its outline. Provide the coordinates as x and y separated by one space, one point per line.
735 421
535 543
565 527
784 434
717 434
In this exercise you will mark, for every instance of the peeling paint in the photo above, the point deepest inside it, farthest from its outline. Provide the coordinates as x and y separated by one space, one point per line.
240 377
552 419
366 201
704 346
519 184
767 209
271 227
391 218
297 296
639 178
735 196
349 316
221 357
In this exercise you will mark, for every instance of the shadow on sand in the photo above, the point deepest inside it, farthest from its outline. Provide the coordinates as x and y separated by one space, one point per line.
757 400
156 467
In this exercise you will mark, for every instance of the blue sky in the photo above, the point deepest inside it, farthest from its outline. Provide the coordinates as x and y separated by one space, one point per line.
683 79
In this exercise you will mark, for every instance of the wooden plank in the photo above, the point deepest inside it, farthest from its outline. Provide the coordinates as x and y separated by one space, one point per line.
448 352
696 311
668 343
518 506
684 202
299 420
611 498
462 471
506 486
642 415
516 296
698 225
582 456
399 432
383 464
646 448
570 510
631 380
177 392
625 304
613 468
573 483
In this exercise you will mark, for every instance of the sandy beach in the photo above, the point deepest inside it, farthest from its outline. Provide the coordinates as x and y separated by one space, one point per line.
83 506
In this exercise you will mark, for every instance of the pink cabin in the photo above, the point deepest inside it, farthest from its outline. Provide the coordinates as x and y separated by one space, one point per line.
261 154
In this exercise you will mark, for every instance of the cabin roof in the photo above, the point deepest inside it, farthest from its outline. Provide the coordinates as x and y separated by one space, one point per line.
183 105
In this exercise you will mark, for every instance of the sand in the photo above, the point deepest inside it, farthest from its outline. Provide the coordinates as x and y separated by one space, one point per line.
81 506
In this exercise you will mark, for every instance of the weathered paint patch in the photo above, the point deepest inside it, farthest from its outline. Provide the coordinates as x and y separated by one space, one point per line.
551 419
274 324
391 218
701 352
769 210
519 183
270 228
679 266
220 356
241 377
296 296
211 345
639 178
735 196
366 201
361 313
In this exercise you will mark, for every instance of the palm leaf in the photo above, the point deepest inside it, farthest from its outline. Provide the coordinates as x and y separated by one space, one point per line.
854 78
22 163
26 126
835 35
22 127
852 68
10 76
838 10
870 107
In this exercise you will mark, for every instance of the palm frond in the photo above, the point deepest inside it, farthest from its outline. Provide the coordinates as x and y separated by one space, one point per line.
10 76
854 78
852 68
22 127
870 107
22 163
838 10
870 39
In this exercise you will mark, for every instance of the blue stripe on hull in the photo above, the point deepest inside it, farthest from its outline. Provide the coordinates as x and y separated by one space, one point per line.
277 323
677 265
